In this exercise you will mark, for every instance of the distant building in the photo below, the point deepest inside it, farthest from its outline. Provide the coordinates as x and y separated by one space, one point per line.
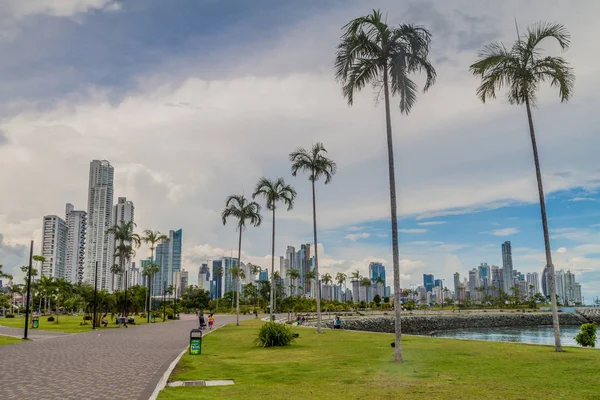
438 283
54 246
168 258
507 266
123 212
263 275
456 282
533 280
377 270
184 279
217 274
75 256
428 282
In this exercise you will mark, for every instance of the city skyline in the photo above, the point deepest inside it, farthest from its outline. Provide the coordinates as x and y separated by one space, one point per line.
151 114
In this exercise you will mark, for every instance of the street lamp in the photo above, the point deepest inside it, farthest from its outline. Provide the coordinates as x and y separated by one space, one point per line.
28 291
95 297
164 300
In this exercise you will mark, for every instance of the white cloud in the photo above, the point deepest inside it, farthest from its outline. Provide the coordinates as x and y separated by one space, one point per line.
582 199
561 250
415 230
355 236
428 223
504 232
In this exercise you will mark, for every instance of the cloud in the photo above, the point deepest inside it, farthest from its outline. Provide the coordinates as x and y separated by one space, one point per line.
504 232
561 250
355 236
412 230
582 199
428 223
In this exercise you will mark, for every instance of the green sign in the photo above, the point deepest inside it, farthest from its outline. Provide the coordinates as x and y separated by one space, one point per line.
152 319
36 323
195 346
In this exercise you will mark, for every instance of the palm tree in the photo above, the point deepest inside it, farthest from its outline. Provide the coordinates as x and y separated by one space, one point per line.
237 273
244 211
356 277
373 52
379 282
255 270
366 283
126 242
293 274
309 277
3 274
523 69
317 165
340 278
274 191
152 238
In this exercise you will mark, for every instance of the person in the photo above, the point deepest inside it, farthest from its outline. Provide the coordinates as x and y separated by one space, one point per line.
104 321
337 323
211 321
255 314
298 321
201 320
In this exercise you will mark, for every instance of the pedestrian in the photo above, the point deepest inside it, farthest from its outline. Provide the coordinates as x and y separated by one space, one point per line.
337 323
211 321
201 320
104 321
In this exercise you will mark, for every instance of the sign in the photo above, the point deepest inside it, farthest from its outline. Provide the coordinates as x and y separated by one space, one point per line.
195 346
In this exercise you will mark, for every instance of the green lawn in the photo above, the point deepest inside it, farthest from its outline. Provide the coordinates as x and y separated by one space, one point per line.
359 365
8 340
66 323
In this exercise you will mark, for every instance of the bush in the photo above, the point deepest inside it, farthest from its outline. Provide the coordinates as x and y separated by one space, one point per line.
272 334
587 336
50 319
10 315
143 315
87 318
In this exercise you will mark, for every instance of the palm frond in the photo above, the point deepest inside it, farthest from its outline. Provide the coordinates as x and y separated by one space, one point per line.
557 71
543 30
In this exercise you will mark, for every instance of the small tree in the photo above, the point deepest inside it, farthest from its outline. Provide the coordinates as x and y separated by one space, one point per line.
587 336
377 300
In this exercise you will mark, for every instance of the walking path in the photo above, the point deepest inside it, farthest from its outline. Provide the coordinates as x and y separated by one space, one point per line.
33 334
105 364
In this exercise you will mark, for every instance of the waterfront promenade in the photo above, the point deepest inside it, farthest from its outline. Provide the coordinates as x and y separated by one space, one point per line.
125 363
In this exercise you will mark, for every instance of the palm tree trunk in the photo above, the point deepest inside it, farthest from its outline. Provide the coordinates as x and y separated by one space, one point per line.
538 173
396 263
237 286
272 265
318 288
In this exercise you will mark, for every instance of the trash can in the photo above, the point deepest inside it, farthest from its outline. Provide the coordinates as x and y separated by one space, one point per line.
195 342
152 319
36 322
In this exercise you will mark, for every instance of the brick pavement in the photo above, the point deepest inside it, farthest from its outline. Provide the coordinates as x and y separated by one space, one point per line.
124 363
33 334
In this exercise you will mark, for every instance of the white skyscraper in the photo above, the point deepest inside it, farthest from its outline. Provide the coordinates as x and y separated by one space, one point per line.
75 259
54 246
533 279
100 207
123 212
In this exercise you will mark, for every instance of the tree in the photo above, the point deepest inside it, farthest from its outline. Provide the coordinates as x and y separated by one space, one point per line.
356 277
522 69
255 270
293 274
310 276
126 241
243 211
274 191
377 300
251 292
149 271
373 52
317 165
152 238
366 283
4 275
340 278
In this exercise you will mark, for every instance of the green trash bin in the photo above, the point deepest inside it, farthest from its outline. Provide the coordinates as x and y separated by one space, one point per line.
195 342
36 322
152 319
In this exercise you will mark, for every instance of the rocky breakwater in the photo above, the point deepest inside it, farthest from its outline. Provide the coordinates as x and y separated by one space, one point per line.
428 324
591 314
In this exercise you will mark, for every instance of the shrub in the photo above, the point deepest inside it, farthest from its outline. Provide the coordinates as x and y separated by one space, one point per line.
143 315
87 318
50 319
10 315
272 334
587 336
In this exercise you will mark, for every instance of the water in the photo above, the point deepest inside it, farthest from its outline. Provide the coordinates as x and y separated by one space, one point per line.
535 335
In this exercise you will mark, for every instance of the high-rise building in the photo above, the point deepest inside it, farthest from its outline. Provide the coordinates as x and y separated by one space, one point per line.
134 276
438 283
99 243
123 212
473 283
168 258
229 281
303 265
143 265
54 246
184 279
263 275
75 258
456 282
428 282
377 276
484 272
533 280
507 266
217 285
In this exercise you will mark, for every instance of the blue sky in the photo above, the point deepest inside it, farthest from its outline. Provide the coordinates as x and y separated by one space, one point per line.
194 100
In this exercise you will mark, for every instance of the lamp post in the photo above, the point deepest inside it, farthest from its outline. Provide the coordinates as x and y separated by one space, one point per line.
125 283
164 300
28 291
95 297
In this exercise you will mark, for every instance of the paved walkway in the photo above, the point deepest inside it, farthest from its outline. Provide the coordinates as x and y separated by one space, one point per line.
33 334
106 364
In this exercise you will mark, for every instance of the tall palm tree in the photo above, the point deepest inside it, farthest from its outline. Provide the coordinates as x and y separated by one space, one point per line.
310 276
373 52
4 274
522 69
126 242
317 165
255 270
356 277
340 278
243 211
152 238
274 191
293 274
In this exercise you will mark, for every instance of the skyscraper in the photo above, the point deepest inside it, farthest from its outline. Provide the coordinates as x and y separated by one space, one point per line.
168 258
263 275
184 279
507 266
229 281
377 270
456 282
123 212
100 204
533 280
428 282
217 273
75 260
54 246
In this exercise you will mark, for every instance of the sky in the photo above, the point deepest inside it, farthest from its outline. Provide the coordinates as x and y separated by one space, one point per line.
192 101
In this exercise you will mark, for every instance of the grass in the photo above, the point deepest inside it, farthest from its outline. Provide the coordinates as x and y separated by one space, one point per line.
9 340
359 365
66 323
